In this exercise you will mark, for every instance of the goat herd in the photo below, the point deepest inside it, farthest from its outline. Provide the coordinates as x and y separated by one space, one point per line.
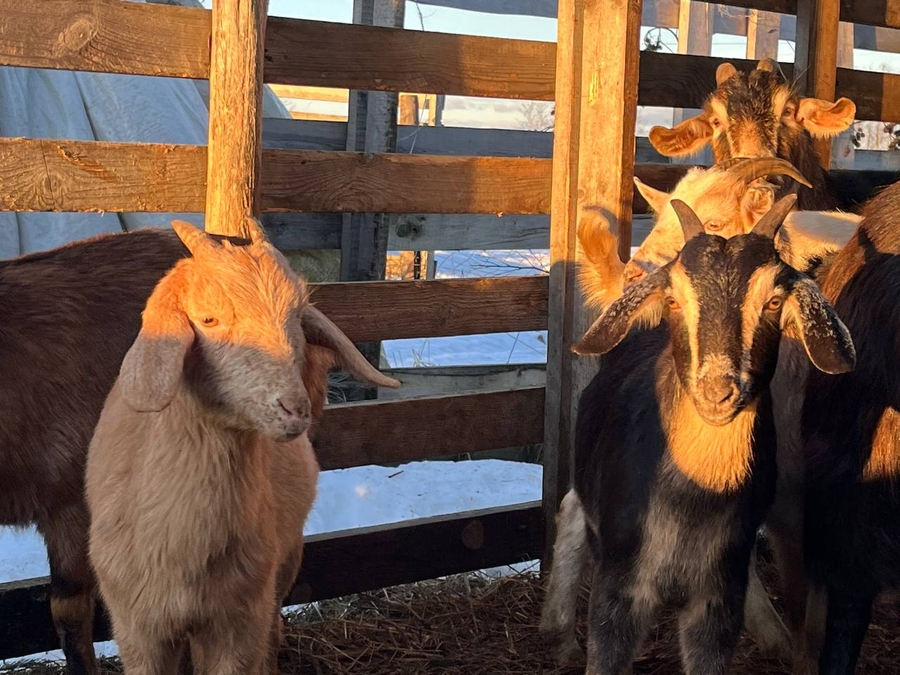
156 432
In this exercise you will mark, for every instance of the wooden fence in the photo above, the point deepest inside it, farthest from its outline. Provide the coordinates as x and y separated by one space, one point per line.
308 170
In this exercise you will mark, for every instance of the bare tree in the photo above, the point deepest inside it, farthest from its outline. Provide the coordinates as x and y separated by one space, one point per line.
537 115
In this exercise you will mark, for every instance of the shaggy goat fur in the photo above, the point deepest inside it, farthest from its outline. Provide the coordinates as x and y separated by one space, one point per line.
68 317
201 472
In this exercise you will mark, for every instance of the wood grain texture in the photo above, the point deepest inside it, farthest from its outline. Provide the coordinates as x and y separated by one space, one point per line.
234 154
334 564
816 58
393 310
444 380
390 59
105 36
50 175
357 434
872 12
396 183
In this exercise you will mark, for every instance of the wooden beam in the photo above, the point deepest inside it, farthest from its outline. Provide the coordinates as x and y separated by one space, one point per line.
444 380
334 564
816 56
597 90
873 12
234 156
53 175
763 30
374 432
394 310
311 93
371 128
696 22
378 58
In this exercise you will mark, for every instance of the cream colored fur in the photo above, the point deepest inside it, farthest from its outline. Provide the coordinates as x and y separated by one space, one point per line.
201 472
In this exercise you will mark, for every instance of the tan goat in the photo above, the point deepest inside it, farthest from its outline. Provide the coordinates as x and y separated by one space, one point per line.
201 472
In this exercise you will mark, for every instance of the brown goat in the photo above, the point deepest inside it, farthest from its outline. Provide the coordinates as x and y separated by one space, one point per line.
201 473
68 317
758 114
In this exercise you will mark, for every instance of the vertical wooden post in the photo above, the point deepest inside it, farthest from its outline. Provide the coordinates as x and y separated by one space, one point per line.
371 127
695 31
763 30
234 160
815 64
596 108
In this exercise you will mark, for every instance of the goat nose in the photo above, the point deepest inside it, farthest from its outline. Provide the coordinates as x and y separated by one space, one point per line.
720 390
295 407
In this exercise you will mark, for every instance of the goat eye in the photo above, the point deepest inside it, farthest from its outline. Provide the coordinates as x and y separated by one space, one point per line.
209 321
672 303
774 304
715 122
712 225
788 111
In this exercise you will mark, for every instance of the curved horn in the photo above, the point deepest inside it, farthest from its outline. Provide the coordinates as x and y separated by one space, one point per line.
690 223
194 239
758 167
256 231
724 72
770 65
769 224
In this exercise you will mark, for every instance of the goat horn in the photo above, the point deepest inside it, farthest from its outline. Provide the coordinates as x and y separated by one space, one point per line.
690 223
257 233
194 239
724 72
749 169
769 224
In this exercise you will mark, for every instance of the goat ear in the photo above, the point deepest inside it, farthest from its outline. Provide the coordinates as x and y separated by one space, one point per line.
642 302
152 368
756 202
724 73
320 330
826 339
823 119
657 199
687 138
195 240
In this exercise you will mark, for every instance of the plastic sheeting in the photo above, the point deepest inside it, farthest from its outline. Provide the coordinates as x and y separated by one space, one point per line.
36 103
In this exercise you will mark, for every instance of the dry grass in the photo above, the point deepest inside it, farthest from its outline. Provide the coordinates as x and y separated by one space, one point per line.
474 625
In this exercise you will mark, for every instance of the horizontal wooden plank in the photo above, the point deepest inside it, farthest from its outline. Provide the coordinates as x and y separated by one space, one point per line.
684 81
393 310
357 434
53 175
106 36
334 565
872 12
396 183
375 558
311 93
391 59
441 381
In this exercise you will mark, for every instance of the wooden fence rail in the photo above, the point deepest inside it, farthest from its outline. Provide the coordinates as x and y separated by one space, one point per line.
334 564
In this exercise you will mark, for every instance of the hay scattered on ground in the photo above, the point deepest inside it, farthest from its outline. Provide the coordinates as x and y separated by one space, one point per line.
475 625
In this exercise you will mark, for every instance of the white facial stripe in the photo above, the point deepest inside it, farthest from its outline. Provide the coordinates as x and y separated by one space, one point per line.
759 291
779 101
684 293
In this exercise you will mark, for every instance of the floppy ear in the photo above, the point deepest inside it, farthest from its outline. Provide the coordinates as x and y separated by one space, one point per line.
320 330
655 198
152 368
687 138
826 339
643 302
823 119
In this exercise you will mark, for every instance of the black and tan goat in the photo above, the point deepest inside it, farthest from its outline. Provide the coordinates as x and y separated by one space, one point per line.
675 438
851 431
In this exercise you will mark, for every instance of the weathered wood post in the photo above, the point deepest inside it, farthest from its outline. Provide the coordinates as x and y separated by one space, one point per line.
234 159
815 64
593 169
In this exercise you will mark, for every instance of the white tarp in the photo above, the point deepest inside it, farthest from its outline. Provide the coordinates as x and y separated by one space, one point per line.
37 103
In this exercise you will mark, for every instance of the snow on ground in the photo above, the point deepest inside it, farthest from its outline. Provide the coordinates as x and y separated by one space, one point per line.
348 498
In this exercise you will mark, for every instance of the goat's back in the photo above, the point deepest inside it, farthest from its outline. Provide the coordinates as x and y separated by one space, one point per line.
851 425
69 315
